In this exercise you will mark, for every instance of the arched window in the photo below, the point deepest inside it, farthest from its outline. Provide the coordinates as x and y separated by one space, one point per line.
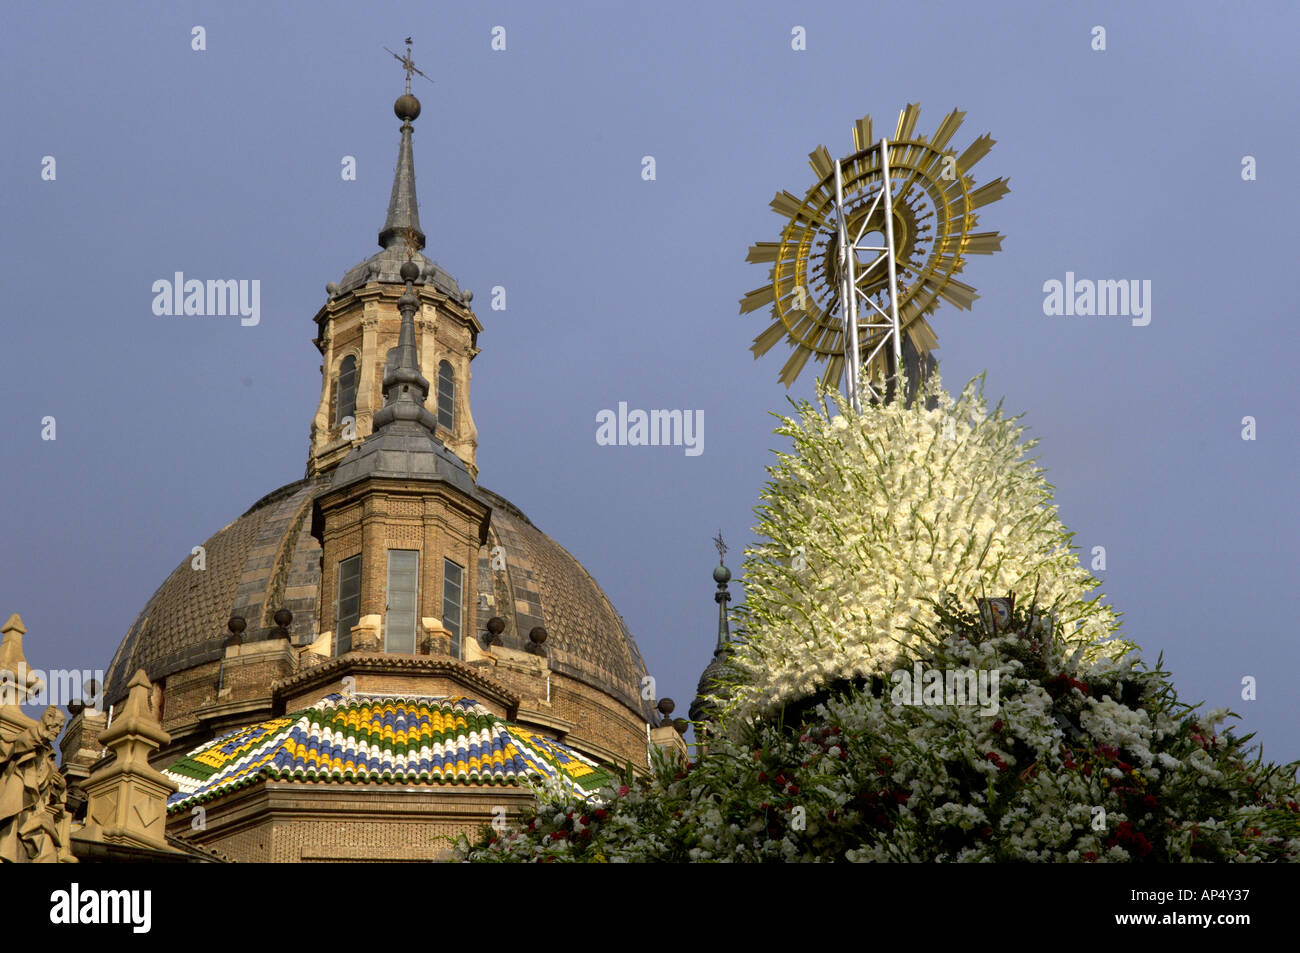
446 396
347 405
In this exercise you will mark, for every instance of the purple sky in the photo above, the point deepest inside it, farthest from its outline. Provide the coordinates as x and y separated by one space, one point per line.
1123 164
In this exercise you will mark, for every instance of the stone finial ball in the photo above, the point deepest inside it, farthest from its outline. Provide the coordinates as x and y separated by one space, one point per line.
666 706
409 271
496 625
721 574
682 725
407 107
537 635
283 617
236 625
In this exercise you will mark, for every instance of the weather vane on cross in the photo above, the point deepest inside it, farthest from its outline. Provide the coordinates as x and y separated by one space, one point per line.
408 64
720 546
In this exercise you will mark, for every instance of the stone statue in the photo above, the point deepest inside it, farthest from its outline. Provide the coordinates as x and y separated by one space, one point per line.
34 822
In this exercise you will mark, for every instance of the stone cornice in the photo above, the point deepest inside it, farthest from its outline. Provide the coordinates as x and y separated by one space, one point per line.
383 663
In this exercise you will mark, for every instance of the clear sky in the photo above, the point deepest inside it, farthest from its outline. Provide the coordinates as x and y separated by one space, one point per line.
1124 164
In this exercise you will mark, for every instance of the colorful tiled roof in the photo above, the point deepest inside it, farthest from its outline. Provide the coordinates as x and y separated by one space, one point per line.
381 738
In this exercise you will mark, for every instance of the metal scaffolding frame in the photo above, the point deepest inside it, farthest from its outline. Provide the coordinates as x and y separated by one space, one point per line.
849 292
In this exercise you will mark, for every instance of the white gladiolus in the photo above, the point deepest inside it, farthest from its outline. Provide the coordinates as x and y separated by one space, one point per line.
887 511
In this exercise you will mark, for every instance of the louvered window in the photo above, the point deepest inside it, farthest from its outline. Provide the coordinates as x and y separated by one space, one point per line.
453 577
349 604
402 609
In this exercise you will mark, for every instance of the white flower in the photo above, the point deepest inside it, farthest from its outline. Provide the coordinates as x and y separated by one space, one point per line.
886 520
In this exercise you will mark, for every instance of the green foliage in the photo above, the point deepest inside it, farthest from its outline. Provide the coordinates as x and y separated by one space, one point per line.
1082 761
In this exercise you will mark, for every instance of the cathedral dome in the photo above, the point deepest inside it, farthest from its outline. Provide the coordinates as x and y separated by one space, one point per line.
267 560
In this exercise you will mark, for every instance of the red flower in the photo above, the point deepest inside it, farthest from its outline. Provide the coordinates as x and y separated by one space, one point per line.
623 790
997 725
1126 835
1150 801
762 776
792 789
601 813
1091 855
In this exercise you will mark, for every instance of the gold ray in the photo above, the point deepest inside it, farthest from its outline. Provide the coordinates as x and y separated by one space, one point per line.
755 299
787 205
763 251
834 370
862 134
974 152
821 343
907 121
989 192
958 293
794 365
823 165
951 123
923 335
983 243
767 340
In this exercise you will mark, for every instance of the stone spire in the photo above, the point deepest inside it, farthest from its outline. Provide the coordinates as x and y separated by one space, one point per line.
403 222
405 388
713 680
722 576
403 442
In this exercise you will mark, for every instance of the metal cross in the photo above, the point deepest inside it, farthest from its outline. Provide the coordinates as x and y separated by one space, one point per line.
720 546
408 64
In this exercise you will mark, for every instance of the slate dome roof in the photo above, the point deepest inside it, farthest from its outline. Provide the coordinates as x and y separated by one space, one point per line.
267 560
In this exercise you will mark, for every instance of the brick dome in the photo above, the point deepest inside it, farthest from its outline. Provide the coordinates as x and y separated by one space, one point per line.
267 560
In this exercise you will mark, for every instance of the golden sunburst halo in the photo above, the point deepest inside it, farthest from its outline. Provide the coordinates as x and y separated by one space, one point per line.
934 200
